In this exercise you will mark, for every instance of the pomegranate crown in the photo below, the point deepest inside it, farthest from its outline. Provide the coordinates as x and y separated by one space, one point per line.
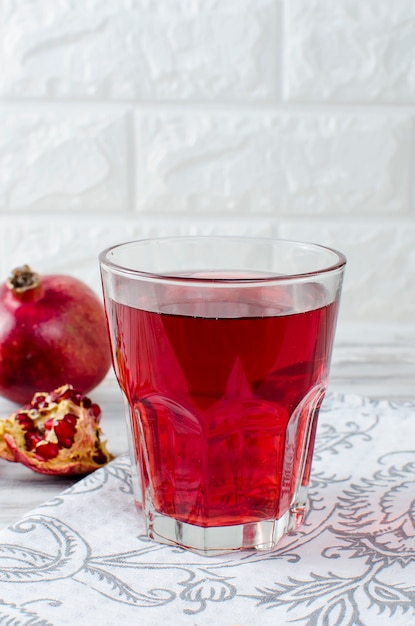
23 278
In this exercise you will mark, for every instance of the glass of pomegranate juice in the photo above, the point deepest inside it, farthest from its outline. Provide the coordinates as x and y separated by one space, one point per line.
221 347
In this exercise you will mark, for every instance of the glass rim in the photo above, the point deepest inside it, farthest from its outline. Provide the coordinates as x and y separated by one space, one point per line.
120 269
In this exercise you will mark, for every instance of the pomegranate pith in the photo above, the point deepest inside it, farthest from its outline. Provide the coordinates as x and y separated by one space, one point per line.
52 332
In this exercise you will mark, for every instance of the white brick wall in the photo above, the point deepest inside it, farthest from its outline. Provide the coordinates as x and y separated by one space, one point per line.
136 118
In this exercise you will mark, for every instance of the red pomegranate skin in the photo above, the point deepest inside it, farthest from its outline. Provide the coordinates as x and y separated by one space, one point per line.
51 334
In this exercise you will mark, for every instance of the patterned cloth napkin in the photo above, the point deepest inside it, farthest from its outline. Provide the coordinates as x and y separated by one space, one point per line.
82 558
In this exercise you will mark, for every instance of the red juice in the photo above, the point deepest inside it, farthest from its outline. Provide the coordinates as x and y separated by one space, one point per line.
223 409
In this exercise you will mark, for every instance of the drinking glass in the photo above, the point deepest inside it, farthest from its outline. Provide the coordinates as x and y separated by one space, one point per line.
221 347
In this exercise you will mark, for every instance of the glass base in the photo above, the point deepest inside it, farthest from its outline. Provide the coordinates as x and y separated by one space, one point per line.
216 540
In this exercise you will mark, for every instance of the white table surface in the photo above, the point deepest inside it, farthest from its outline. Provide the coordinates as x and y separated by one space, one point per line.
374 362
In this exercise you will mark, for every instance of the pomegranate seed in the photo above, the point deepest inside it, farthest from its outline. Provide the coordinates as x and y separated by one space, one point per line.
31 440
68 394
47 450
66 442
48 424
25 422
86 402
65 433
39 402
77 398
70 419
95 410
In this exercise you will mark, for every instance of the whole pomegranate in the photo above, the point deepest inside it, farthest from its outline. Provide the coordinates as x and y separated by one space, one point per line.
52 332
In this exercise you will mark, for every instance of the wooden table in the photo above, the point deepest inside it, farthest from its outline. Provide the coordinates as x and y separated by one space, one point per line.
372 361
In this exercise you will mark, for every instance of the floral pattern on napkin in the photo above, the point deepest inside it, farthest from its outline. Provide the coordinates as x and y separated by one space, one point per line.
83 557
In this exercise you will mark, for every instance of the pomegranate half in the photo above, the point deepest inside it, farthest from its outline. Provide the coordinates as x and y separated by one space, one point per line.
58 433
52 332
